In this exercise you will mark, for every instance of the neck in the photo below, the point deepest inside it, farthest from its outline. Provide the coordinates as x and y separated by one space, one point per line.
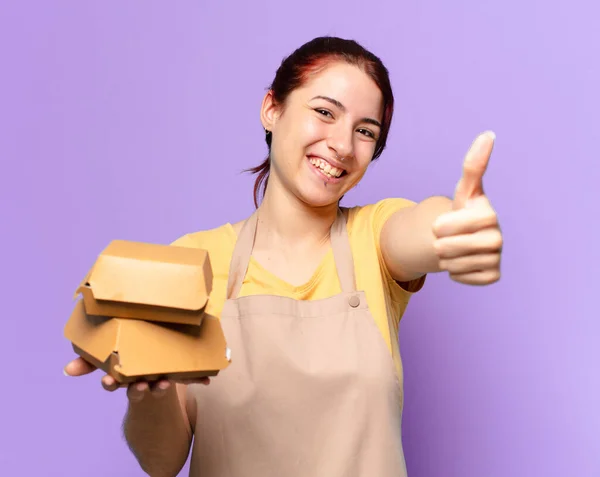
286 222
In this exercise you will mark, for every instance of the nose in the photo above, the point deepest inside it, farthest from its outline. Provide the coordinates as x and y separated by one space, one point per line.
340 141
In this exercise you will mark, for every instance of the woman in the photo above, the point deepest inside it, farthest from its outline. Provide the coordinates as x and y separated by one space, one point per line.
310 294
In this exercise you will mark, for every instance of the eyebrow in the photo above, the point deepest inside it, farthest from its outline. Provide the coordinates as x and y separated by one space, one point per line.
340 106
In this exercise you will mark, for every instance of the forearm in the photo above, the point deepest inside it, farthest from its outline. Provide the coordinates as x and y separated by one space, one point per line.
407 239
158 433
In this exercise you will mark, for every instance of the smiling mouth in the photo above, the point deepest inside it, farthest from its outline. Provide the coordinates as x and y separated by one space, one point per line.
326 169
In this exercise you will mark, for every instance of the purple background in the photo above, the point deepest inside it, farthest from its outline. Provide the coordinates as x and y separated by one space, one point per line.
134 119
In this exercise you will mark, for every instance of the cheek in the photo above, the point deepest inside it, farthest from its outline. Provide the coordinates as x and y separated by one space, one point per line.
359 175
314 129
300 133
364 153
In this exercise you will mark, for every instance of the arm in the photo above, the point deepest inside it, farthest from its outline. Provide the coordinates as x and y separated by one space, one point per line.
159 422
407 239
459 235
158 431
160 419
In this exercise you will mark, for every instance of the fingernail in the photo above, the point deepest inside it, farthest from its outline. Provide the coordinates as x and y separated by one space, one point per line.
65 373
491 134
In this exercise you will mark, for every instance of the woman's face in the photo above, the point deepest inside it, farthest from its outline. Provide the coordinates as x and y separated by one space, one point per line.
324 137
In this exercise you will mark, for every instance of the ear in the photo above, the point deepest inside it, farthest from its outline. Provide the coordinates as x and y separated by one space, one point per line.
269 111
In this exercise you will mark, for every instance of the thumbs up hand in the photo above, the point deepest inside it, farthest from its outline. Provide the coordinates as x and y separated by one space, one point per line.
468 239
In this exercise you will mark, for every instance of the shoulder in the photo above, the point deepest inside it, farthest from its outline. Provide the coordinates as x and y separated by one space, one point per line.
372 217
210 239
219 242
365 224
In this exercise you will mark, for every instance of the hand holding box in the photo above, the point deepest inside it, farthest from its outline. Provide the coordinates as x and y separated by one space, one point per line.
142 315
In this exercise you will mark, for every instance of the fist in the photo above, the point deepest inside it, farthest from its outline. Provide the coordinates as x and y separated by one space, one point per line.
468 240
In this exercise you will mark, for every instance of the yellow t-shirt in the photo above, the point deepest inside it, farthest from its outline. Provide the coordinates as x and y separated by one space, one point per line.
384 295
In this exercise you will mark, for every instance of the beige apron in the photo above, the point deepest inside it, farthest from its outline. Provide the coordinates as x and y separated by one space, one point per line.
312 389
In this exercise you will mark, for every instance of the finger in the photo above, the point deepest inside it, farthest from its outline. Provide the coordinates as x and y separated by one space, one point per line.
483 277
160 388
137 391
109 383
475 164
471 263
484 241
477 217
78 367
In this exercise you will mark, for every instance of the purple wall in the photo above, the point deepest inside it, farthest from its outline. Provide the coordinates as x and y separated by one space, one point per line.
134 119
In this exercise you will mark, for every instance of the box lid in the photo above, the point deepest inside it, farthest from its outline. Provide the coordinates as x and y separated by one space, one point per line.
145 348
151 274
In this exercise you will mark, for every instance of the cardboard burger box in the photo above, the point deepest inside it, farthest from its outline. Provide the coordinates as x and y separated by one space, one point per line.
141 314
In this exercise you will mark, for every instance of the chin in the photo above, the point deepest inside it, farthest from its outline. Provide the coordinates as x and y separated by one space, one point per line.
319 198
320 204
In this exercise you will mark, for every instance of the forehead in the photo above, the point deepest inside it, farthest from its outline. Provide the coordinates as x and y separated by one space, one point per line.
347 84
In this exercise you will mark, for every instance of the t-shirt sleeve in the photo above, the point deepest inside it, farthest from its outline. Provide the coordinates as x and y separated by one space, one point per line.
376 215
184 241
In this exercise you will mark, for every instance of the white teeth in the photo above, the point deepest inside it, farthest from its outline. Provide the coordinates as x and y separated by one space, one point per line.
326 168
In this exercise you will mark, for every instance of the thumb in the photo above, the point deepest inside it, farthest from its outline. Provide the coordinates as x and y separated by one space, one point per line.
475 164
78 367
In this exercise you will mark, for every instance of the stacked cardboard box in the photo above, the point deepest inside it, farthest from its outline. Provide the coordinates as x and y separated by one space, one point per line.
141 314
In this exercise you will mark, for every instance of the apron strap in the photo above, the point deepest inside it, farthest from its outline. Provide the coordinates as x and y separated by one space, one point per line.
340 244
342 254
241 256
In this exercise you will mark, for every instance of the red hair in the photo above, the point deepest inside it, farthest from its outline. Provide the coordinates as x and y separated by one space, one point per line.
311 58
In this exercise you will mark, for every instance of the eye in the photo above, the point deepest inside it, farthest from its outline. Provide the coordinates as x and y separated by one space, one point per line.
367 133
324 112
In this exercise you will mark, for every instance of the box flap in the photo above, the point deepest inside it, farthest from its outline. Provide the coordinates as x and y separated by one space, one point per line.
145 348
141 312
83 285
150 274
97 335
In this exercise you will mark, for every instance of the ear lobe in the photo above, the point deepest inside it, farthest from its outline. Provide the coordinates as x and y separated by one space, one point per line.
269 111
